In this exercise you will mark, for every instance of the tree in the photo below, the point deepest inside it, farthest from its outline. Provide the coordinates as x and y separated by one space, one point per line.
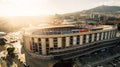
10 50
2 41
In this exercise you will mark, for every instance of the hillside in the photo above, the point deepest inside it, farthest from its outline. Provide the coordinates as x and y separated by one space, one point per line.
105 9
99 9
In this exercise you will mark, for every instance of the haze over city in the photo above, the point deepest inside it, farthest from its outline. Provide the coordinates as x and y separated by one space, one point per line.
49 7
59 33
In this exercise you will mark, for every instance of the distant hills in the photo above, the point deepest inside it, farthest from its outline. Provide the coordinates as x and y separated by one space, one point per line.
105 9
99 9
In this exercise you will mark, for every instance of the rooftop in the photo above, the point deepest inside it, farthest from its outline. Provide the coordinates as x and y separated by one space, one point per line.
65 29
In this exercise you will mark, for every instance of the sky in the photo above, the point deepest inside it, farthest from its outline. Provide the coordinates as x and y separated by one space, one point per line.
49 7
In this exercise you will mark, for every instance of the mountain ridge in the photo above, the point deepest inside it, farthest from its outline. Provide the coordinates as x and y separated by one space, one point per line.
104 8
98 9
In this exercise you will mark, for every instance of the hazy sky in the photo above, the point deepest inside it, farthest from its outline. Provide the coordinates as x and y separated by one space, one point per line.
46 7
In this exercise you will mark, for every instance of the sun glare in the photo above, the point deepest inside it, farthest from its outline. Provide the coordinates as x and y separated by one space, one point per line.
23 7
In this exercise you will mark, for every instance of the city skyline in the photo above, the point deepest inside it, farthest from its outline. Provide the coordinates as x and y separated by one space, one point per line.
49 7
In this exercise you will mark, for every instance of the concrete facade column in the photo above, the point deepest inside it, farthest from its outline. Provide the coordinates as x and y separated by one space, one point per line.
36 40
113 33
93 36
74 40
30 44
102 36
27 43
98 36
106 34
67 41
43 43
81 39
59 42
87 38
51 42
109 35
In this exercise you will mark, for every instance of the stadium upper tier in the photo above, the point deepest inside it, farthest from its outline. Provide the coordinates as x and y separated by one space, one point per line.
65 29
